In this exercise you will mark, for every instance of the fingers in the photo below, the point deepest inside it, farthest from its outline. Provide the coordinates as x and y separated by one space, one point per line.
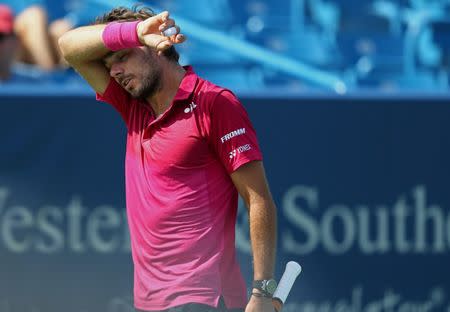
173 32
155 23
168 28
160 32
179 38
163 44
163 16
167 42
166 25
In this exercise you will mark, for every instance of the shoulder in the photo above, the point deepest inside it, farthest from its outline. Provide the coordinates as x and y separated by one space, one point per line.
209 96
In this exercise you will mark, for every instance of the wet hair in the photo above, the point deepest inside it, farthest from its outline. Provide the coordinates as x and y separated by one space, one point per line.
136 13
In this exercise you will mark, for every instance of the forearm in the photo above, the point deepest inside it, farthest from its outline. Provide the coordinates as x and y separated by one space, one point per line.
263 224
83 44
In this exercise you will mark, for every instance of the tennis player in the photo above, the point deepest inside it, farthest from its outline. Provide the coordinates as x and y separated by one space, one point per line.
190 150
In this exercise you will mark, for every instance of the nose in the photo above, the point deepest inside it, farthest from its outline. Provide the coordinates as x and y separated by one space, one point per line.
116 71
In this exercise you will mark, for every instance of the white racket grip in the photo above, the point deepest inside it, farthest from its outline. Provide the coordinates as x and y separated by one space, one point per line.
291 272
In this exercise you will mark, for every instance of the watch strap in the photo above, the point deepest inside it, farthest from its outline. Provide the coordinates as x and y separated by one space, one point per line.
261 286
261 295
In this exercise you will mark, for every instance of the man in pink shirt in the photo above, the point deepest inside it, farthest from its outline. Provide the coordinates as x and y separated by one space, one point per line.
190 150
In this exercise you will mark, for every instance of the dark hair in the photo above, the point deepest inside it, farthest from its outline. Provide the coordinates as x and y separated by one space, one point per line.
135 13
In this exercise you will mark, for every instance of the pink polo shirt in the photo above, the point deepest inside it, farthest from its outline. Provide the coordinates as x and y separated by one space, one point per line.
181 202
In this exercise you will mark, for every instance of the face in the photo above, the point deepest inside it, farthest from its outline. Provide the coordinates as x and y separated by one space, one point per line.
137 70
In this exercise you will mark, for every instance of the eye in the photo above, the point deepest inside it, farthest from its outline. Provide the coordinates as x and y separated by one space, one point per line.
123 57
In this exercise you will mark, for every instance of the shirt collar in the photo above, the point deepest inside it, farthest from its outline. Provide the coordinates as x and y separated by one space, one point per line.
187 85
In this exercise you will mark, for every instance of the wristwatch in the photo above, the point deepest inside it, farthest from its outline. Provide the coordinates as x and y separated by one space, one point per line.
267 287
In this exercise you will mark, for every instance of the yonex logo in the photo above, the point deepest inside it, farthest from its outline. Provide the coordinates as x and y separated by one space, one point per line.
190 109
239 150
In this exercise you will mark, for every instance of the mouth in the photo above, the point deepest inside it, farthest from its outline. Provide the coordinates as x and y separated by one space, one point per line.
126 81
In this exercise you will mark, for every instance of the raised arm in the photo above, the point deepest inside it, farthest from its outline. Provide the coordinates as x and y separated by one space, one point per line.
84 49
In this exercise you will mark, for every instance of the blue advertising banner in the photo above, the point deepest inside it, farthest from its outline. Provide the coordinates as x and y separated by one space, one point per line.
361 187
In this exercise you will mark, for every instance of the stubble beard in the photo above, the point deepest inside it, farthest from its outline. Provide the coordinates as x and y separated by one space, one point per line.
151 80
149 86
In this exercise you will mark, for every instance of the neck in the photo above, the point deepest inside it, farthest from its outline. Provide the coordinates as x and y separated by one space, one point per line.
172 76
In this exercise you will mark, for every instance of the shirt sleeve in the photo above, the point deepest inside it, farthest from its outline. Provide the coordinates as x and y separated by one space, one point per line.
231 133
117 97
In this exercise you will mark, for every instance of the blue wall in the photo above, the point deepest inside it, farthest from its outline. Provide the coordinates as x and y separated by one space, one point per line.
361 185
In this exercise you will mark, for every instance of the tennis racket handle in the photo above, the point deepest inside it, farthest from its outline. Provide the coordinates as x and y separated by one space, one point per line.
290 274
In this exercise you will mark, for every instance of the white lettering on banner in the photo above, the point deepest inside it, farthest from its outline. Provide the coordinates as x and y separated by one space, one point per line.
55 235
16 227
104 219
75 213
391 301
52 229
232 134
408 225
300 220
417 228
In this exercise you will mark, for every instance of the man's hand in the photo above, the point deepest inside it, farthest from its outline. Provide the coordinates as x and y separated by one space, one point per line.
259 304
150 32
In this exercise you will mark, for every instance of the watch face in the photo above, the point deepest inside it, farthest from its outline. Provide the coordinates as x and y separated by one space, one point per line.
271 286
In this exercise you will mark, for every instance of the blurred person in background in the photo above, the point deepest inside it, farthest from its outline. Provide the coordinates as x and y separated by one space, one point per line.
8 42
31 29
